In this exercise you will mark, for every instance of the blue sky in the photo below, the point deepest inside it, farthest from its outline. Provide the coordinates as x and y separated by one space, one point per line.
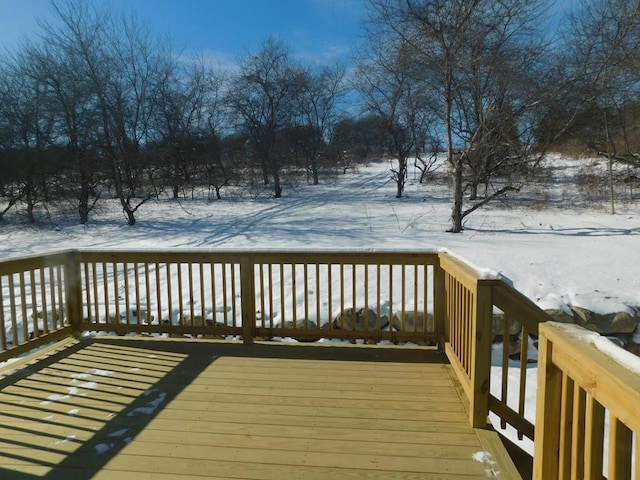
318 31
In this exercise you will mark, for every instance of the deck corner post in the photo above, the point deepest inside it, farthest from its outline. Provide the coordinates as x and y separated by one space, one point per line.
481 355
548 402
73 292
439 303
248 299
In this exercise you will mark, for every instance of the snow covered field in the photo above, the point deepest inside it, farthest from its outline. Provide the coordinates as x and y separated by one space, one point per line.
556 247
552 243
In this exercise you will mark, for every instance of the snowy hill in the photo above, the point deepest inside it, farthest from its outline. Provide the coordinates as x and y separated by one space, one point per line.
554 243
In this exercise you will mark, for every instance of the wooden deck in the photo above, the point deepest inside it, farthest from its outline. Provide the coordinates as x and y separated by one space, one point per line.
128 408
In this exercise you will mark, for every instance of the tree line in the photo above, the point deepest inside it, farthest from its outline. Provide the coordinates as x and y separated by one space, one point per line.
99 103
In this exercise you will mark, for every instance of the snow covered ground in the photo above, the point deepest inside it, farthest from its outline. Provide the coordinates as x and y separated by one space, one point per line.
551 241
556 247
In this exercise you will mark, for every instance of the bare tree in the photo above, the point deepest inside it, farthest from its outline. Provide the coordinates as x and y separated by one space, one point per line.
264 98
29 128
70 98
122 63
392 88
187 111
319 97
604 39
472 49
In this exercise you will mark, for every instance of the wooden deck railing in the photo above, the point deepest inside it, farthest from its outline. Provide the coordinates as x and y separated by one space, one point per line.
303 295
33 302
468 324
422 297
474 307
517 313
587 405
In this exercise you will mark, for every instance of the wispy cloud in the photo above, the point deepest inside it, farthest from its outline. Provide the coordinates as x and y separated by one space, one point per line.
323 53
224 62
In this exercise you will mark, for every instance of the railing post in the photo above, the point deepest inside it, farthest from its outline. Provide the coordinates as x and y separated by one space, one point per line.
73 292
481 356
248 299
439 303
548 402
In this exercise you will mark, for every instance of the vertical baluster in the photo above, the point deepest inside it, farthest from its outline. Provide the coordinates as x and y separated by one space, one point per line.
105 289
620 449
116 292
566 423
270 273
416 301
423 271
234 308
524 354
637 456
202 298
57 317
354 298
282 295
33 291
225 304
330 295
3 327
127 299
136 282
305 274
169 277
213 293
594 436
577 433
63 308
87 291
378 295
465 319
158 269
181 313
147 288
12 309
403 295
23 307
342 289
365 270
505 364
471 325
43 301
96 303
294 288
391 292
318 294
262 294
192 312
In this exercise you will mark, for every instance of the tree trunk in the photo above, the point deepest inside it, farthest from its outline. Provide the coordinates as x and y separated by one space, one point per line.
456 211
12 202
83 202
265 170
30 204
402 175
474 190
126 208
277 188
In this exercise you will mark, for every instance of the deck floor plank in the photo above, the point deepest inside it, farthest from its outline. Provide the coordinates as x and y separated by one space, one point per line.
150 409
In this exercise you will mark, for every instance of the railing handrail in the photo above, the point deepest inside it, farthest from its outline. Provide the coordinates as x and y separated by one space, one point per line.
20 263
